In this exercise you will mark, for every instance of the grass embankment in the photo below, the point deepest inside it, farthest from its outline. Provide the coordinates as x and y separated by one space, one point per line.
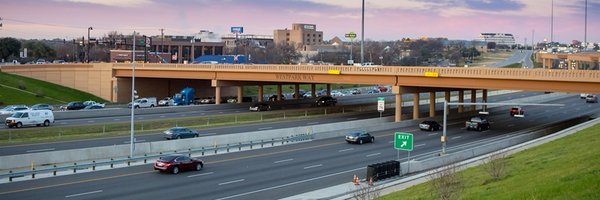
54 133
24 90
568 168
514 65
488 58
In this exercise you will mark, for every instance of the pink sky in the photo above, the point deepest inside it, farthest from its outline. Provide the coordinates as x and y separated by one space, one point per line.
384 19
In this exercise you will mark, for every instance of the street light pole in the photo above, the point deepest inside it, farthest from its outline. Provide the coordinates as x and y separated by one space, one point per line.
362 35
87 57
132 99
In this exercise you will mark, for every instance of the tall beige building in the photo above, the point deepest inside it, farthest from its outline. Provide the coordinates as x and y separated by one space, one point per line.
302 36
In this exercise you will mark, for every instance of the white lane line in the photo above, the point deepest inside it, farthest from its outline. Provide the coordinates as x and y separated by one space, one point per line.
312 123
220 112
81 194
457 137
432 134
265 128
313 166
162 116
230 182
210 134
511 125
286 160
38 150
375 154
391 142
203 174
140 117
352 118
419 145
350 149
290 184
91 121
116 119
237 111
183 115
63 123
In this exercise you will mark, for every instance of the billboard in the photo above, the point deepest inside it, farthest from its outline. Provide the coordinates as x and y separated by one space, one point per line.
237 29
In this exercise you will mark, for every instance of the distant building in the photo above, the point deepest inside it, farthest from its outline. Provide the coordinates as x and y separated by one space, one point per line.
302 36
498 38
260 41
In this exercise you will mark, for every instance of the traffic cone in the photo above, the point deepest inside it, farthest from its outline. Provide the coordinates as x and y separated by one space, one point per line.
355 180
371 181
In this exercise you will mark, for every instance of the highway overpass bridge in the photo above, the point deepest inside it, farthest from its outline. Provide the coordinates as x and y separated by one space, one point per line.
113 80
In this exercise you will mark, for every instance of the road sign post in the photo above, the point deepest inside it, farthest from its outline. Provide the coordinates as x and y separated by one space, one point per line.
404 141
351 36
380 105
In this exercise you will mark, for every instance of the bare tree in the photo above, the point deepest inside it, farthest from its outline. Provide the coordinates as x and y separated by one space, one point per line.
364 191
496 165
446 183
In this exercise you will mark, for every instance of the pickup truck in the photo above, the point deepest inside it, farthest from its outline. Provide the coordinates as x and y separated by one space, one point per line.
478 123
148 102
516 110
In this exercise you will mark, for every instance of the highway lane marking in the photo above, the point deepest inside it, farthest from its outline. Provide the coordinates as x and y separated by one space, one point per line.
290 184
209 134
391 142
183 115
457 137
350 149
162 116
432 134
312 123
313 166
230 182
220 112
91 121
419 145
116 119
265 128
203 174
85 193
63 123
352 118
375 154
127 142
140 118
286 160
38 150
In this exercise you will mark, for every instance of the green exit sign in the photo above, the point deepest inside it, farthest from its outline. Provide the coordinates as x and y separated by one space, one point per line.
403 141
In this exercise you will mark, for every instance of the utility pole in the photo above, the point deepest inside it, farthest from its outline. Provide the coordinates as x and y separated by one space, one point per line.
584 32
362 35
552 24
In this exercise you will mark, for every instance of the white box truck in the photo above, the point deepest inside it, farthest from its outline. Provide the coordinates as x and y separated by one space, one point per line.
29 118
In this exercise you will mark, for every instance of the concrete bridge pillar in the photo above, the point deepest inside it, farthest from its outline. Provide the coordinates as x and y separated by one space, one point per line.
473 99
415 105
260 93
398 109
461 99
431 104
485 98
447 98
313 89
279 92
297 91
328 89
179 53
240 93
218 95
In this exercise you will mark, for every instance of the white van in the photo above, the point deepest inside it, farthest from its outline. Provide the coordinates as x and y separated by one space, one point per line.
30 117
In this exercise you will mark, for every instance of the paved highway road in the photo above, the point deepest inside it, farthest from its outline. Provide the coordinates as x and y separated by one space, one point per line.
282 171
64 145
519 56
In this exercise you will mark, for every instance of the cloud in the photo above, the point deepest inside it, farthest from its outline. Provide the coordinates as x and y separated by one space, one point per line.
116 3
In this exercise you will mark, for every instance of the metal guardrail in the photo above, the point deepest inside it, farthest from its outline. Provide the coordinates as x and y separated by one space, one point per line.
225 148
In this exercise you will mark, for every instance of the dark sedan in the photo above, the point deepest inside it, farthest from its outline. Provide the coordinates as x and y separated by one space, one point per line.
326 101
180 132
176 163
260 107
430 126
359 137
74 105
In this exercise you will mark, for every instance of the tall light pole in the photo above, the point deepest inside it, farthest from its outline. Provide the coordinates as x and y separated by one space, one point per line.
362 35
552 24
87 58
585 29
132 98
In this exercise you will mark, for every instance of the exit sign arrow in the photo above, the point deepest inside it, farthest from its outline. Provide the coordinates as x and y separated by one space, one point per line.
403 141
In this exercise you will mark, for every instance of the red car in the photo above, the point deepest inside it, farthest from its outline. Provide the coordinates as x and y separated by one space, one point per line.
177 162
516 110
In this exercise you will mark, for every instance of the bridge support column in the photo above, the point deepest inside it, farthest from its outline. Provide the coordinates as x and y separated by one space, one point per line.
485 98
447 98
279 92
179 53
415 105
328 89
297 91
398 109
260 93
473 100
431 104
313 89
240 93
461 99
218 95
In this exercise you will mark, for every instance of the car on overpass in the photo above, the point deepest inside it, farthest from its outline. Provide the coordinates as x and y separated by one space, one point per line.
176 162
359 137
180 132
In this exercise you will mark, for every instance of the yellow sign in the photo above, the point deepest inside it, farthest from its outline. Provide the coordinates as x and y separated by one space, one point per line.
432 74
334 71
